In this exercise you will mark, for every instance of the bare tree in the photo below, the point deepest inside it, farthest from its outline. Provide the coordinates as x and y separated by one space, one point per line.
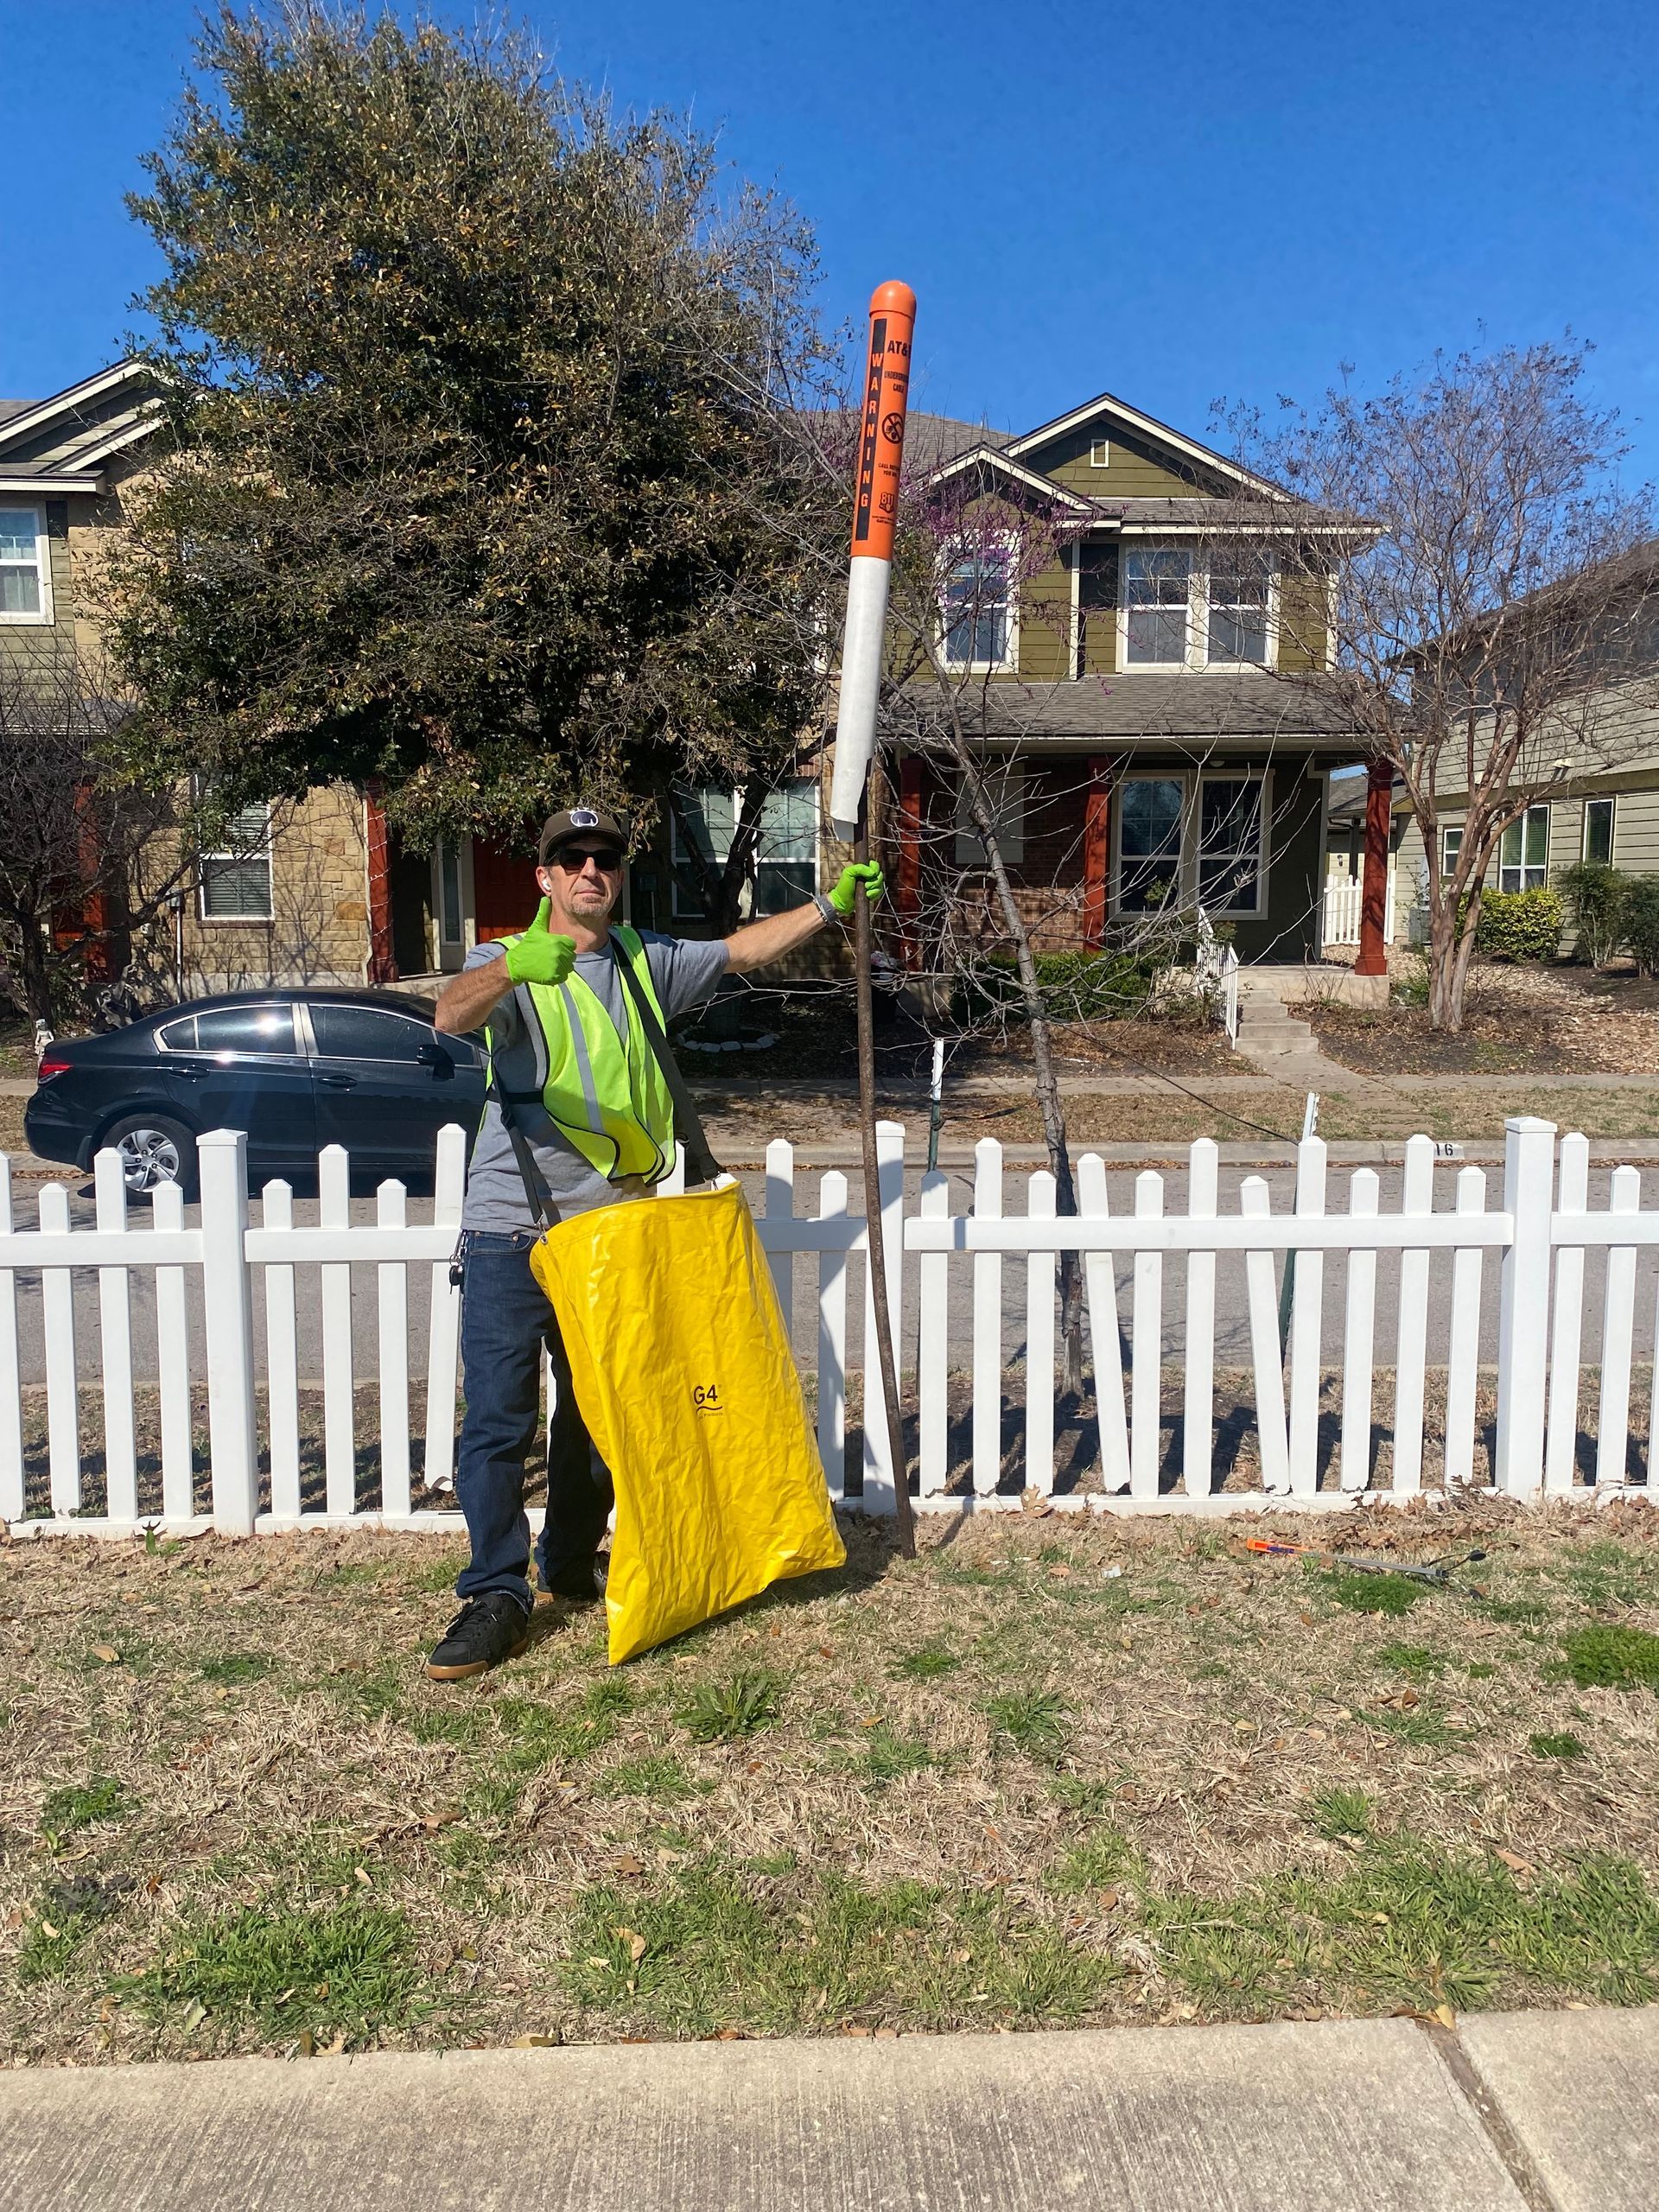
1476 599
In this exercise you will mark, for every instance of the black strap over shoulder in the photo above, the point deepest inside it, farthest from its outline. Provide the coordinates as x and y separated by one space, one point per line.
701 1166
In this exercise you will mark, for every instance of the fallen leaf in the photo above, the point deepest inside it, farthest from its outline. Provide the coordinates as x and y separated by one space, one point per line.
362 1874
1318 1734
50 1931
307 2044
1107 1903
336 2049
195 2013
533 2042
636 1943
626 1864
1306 1619
432 1821
1445 2016
1516 1864
107 1653
826 1651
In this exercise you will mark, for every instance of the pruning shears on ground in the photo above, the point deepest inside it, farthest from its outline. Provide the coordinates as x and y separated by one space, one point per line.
1439 1572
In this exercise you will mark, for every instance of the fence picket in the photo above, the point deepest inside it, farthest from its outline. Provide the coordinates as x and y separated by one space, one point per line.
173 1365
1261 1289
1359 1328
1307 1323
1411 1352
115 1346
62 1386
1105 1337
1463 1344
778 1204
1198 1379
882 1454
1147 1347
227 1312
443 1319
1618 1323
11 1396
832 1339
988 1324
1040 1343
1565 1343
1523 1307
281 1359
932 1343
392 1301
338 1381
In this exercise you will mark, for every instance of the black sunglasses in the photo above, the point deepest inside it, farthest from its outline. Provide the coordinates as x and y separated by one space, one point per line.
574 858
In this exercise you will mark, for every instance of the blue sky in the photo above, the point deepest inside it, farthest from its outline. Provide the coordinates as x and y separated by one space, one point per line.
1173 203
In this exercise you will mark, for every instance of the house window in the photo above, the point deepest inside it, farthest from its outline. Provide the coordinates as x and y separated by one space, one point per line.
1149 843
236 881
25 583
1598 831
449 922
1157 581
1229 844
1523 852
785 854
1100 454
1005 787
976 611
1451 846
1239 610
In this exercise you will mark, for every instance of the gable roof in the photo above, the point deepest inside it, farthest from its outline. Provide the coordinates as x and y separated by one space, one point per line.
1148 426
61 444
1002 463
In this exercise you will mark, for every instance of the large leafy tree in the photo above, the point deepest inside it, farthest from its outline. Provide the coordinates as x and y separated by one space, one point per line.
476 483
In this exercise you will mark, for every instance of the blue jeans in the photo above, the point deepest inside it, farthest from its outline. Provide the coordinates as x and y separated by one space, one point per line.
505 1321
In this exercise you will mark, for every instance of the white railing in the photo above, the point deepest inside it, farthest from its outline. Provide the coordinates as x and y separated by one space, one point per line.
1230 996
222 1306
1339 914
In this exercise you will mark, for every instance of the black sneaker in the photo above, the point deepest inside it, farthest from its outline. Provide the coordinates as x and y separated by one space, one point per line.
486 1631
583 1581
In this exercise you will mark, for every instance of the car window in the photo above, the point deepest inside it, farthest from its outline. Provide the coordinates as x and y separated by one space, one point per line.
179 1036
361 1032
246 1029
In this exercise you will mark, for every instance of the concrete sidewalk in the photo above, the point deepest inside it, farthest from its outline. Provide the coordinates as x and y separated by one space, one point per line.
1547 2111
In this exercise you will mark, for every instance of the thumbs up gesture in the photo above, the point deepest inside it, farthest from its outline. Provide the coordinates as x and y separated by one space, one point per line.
540 956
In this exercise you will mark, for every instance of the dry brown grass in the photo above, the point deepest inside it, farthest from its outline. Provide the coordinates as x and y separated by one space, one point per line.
1047 1770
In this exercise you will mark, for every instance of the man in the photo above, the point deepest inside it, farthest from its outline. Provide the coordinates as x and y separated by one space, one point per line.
567 1056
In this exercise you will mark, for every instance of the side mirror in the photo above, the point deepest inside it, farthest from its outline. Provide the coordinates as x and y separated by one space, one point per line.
432 1055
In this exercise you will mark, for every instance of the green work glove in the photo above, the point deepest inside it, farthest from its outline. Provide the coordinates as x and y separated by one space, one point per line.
539 957
844 897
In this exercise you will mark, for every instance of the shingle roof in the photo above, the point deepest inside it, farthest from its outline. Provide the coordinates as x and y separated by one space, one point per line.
1158 707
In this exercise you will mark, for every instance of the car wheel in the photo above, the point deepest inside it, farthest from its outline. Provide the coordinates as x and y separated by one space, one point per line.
155 1149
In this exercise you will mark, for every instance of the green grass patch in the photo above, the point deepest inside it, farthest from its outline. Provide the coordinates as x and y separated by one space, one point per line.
1416 1660
231 1669
1564 1746
1104 1858
1417 1723
349 1967
889 1755
927 1662
1334 1814
1412 1923
1393 1594
1608 1656
656 1777
742 1705
536 1735
1080 1794
67 1914
1605 1575
1034 1721
1518 1612
712 1950
66 1812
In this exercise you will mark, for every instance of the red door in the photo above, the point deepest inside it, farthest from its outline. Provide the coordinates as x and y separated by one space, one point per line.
504 896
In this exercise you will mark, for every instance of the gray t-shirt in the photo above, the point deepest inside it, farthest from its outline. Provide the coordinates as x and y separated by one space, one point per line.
685 971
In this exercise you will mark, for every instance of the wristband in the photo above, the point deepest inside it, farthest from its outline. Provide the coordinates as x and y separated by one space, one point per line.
825 906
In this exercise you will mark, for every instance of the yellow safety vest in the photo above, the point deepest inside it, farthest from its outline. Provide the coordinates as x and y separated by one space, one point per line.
608 1097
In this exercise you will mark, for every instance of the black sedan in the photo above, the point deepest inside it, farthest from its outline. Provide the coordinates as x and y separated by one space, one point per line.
297 1070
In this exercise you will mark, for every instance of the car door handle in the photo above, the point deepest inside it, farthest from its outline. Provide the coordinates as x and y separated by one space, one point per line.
339 1082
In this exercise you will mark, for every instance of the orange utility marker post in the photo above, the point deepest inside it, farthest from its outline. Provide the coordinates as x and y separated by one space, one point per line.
875 509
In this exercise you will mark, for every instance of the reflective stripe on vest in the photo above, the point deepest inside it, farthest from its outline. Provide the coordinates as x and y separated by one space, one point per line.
607 1098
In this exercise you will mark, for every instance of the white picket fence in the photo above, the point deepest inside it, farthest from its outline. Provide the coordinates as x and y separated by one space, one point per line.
250 1279
1344 899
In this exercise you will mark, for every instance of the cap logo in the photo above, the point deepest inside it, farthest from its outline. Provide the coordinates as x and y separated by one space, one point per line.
583 817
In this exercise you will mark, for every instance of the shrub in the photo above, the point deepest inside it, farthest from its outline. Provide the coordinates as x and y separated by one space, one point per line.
1076 987
1641 922
1519 924
1596 893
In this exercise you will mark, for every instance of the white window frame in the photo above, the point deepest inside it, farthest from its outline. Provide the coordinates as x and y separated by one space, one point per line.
1186 878
1007 792
1451 848
1197 656
1522 868
1100 452
678 856
1610 801
262 851
44 616
1010 660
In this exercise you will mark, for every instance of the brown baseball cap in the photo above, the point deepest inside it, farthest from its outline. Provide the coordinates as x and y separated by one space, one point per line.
578 822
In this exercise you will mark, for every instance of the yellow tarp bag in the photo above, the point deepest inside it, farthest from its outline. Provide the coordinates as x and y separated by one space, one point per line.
686 1382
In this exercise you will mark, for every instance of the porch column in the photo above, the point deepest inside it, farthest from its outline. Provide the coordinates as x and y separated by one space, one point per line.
1096 848
908 885
383 963
1373 892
